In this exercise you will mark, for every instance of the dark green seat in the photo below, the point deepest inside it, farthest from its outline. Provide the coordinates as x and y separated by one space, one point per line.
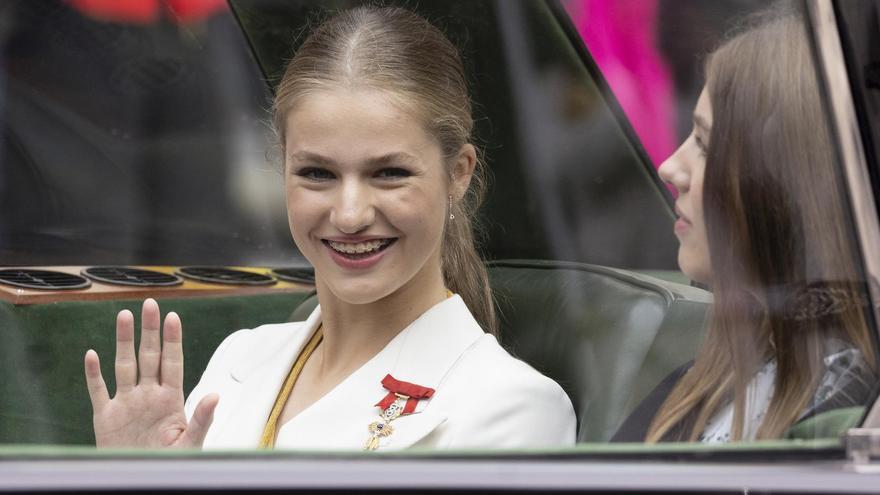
43 397
608 336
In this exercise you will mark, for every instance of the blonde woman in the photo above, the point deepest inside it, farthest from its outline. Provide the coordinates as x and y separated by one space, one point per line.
382 181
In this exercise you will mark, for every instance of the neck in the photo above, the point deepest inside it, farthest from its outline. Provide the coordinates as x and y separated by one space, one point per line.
354 333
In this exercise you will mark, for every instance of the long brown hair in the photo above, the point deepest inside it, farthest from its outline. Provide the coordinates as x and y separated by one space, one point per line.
401 53
776 222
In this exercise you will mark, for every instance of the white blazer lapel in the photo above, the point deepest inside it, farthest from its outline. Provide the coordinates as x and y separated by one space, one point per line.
412 428
432 346
261 373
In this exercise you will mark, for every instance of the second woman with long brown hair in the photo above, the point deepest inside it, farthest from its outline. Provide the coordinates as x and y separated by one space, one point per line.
763 223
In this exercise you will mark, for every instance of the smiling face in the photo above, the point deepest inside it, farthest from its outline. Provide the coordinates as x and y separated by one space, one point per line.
685 170
367 194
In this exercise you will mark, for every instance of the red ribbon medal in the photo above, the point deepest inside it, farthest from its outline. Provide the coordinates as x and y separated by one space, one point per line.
393 407
411 391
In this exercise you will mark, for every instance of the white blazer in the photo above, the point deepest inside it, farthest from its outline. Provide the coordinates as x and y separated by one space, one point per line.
484 398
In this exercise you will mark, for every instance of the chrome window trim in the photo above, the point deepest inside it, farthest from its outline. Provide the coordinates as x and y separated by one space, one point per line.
832 71
268 473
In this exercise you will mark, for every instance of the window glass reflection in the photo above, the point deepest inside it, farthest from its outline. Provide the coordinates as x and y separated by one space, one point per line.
134 132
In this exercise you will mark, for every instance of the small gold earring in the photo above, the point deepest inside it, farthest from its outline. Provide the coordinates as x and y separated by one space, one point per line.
451 216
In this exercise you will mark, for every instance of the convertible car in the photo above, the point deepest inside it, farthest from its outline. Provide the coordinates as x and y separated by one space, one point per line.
136 161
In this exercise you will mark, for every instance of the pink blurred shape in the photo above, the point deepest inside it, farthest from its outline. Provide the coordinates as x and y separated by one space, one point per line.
149 11
620 35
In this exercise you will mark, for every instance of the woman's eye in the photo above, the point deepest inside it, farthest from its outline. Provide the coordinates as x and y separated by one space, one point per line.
393 173
314 174
704 150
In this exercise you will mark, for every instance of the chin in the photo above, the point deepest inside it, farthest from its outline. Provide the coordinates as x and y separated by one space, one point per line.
695 270
360 293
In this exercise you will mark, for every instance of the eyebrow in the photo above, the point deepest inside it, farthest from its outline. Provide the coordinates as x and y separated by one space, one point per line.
306 156
390 158
701 123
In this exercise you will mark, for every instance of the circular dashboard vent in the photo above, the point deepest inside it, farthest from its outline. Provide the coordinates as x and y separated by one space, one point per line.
43 279
121 275
298 275
220 275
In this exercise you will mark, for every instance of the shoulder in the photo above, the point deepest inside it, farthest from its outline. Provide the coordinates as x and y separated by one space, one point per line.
490 367
255 340
246 349
238 353
635 427
253 345
848 379
494 399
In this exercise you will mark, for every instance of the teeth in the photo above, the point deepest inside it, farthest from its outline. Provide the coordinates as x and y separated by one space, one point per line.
358 247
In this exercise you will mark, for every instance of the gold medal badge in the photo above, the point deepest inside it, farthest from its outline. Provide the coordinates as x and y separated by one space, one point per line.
382 428
402 399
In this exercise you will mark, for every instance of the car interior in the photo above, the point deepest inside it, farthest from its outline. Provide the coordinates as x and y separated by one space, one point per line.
580 245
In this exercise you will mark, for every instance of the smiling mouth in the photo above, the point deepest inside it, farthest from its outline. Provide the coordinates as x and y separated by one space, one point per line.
359 250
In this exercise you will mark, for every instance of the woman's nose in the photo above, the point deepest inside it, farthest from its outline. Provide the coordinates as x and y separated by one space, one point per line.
354 210
674 173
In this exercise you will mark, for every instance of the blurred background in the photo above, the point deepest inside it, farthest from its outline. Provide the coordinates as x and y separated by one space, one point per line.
135 132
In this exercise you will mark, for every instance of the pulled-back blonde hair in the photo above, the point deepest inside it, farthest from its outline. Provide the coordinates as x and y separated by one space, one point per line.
402 54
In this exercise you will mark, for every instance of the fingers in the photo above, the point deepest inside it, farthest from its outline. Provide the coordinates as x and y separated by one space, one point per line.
95 381
201 419
126 366
150 348
172 352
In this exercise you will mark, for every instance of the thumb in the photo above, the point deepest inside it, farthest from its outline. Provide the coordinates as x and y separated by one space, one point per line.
201 419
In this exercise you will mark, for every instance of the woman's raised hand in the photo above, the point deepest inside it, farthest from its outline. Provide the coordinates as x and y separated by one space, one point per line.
147 410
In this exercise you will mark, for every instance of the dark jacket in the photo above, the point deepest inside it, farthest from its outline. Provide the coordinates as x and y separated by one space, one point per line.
848 381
